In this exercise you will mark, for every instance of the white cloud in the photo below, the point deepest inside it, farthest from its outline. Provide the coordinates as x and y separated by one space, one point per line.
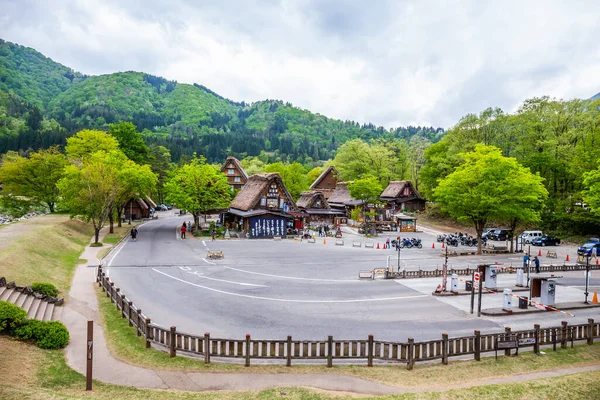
389 63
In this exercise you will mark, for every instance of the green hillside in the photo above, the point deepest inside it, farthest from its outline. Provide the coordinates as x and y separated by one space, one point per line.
184 118
31 75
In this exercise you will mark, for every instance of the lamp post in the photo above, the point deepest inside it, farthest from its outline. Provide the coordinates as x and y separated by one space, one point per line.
528 263
587 276
398 250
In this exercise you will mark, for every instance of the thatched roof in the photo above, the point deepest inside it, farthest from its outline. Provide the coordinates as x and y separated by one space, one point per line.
330 169
341 194
248 198
396 189
308 198
238 165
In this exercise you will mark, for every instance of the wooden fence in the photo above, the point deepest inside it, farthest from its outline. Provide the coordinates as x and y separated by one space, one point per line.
434 273
367 350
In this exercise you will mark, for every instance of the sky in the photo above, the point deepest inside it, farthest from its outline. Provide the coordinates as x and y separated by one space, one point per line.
391 63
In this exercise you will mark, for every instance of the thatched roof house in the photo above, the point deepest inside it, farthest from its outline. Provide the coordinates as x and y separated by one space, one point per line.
341 196
402 195
236 175
326 182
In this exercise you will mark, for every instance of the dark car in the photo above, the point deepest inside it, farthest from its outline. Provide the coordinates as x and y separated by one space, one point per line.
546 240
500 234
586 249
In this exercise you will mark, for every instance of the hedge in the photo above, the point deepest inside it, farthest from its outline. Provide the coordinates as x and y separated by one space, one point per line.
11 317
47 334
45 288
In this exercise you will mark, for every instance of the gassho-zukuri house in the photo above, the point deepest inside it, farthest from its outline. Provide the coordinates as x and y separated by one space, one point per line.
262 208
236 175
316 210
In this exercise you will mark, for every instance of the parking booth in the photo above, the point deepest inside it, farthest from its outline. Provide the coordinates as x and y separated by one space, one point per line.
520 277
489 275
544 288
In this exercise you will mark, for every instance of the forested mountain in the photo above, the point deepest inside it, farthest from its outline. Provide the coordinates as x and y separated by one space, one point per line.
184 118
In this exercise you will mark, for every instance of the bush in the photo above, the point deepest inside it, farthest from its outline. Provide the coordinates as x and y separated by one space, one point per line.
11 317
47 334
46 288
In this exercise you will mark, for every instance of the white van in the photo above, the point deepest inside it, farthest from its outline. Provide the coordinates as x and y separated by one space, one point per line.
528 236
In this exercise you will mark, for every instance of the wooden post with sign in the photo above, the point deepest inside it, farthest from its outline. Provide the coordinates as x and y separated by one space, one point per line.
89 355
479 298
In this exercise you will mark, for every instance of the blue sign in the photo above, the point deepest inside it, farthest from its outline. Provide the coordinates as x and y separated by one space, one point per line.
267 227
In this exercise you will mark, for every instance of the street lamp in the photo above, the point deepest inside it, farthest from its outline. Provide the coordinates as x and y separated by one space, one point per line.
398 250
587 276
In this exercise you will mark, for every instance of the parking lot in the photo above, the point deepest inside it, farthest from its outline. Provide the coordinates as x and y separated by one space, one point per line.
272 289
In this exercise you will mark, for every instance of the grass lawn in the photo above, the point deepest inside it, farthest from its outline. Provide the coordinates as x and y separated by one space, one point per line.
43 249
126 345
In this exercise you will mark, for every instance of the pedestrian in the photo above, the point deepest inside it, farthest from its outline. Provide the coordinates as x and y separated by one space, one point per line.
189 226
183 229
134 233
213 233
595 252
525 260
387 243
536 261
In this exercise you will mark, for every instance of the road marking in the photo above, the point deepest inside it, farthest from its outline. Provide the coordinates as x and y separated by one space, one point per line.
115 255
204 243
294 278
291 300
206 261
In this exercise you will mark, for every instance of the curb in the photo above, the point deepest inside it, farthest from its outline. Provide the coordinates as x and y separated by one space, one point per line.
535 310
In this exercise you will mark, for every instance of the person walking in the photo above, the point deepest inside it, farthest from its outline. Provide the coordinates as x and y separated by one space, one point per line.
594 252
183 229
213 233
387 243
536 261
189 226
134 233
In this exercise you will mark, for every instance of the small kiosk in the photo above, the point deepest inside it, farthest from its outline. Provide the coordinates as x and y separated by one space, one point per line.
544 288
489 274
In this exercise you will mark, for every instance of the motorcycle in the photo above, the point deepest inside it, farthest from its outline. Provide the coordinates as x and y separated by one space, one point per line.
441 238
452 241
416 243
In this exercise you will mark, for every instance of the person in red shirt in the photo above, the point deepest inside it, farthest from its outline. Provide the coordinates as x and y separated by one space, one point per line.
183 230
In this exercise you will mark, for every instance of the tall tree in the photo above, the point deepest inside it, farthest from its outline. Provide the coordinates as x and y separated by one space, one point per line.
130 141
367 190
198 188
87 142
489 186
591 194
35 177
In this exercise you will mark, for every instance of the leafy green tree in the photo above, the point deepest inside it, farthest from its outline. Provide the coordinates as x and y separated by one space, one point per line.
160 162
591 194
293 177
198 188
35 177
134 181
367 190
90 188
130 141
87 142
313 174
489 186
253 165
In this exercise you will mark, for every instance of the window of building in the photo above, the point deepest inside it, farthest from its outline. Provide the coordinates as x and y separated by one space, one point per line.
237 179
230 171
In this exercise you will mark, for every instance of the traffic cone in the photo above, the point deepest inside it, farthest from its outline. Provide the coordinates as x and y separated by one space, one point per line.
567 259
442 245
433 245
596 261
377 246
540 253
324 241
595 298
384 246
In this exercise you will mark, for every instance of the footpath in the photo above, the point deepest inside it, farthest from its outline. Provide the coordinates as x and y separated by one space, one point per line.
82 305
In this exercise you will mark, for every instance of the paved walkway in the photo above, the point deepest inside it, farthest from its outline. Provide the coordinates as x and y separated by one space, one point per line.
82 305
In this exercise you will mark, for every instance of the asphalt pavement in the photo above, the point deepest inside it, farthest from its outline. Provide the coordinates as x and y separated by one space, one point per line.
271 289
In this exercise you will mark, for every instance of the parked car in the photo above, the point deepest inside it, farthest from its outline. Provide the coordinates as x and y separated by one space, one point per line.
586 249
500 234
486 233
529 236
546 240
162 207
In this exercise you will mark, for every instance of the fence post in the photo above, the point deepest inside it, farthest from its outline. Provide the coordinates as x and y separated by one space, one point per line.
112 291
563 341
444 348
172 341
149 333
590 331
329 351
99 275
247 350
288 362
207 348
554 339
137 324
536 345
130 306
411 353
507 333
477 345
103 282
370 351
123 302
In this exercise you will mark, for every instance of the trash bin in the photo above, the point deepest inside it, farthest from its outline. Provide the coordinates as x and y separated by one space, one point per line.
468 286
523 303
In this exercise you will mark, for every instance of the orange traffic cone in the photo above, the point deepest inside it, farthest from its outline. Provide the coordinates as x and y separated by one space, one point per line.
384 246
540 253
442 245
596 261
595 298
567 259
377 245
324 241
433 245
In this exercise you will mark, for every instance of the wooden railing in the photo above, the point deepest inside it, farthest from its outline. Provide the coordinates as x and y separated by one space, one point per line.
361 350
434 273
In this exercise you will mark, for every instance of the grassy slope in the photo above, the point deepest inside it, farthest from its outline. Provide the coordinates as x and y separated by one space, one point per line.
43 249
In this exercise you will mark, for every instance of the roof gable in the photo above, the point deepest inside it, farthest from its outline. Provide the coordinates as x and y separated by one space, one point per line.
341 194
331 173
232 162
399 189
312 199
259 186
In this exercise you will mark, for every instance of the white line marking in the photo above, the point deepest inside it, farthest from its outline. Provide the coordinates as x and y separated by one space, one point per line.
115 255
235 283
206 261
185 268
292 301
295 278
204 243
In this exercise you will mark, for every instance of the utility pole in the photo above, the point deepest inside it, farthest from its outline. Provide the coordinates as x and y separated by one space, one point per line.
587 276
398 250
445 272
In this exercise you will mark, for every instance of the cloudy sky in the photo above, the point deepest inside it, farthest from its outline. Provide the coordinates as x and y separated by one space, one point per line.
392 63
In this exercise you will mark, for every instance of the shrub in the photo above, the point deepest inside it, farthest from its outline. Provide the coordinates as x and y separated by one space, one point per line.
46 288
11 317
47 334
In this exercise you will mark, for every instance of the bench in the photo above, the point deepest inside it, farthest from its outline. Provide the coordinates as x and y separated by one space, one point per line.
551 254
215 255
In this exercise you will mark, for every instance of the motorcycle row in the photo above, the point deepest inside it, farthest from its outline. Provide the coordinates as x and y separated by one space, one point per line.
408 243
459 238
